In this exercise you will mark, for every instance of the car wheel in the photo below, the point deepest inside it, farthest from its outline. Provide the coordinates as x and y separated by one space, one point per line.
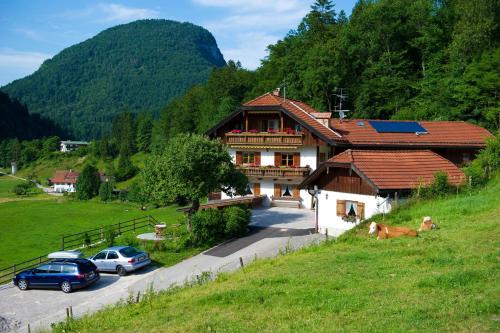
66 287
22 284
121 271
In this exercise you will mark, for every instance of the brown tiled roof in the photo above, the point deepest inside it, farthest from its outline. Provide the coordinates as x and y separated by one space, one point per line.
439 133
397 169
65 176
300 110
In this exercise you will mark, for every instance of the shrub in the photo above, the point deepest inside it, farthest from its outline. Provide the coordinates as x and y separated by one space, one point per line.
110 235
123 196
438 188
106 191
486 164
207 226
23 188
236 220
87 184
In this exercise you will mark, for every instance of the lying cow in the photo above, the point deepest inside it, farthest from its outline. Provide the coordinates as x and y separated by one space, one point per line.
385 231
427 224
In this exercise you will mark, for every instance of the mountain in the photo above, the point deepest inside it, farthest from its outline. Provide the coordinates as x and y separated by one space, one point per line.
132 67
16 122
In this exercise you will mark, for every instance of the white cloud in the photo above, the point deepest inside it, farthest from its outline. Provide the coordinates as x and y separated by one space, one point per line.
249 49
115 12
15 64
250 26
253 5
112 13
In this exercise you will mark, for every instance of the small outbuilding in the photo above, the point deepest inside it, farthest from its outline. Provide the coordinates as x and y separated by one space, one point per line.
357 184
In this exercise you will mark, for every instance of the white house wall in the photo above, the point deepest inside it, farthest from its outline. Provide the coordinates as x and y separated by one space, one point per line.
64 188
307 158
327 212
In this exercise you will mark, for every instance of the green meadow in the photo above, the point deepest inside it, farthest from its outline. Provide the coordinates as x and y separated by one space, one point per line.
30 227
446 280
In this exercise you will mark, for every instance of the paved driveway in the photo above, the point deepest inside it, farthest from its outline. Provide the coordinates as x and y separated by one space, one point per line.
277 229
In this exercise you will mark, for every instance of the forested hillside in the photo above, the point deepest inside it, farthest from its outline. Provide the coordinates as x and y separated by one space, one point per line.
133 67
399 59
16 122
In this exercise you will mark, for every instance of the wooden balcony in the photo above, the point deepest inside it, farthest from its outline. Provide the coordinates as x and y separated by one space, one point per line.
264 139
274 172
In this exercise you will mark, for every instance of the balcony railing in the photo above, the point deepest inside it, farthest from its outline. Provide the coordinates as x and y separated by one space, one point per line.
265 138
274 172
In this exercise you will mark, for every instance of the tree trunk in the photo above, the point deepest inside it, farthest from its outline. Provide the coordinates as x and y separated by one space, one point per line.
194 208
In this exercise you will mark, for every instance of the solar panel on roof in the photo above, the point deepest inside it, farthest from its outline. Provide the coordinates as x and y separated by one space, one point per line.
397 126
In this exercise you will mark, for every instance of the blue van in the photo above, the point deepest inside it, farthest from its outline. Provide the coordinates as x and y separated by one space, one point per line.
64 274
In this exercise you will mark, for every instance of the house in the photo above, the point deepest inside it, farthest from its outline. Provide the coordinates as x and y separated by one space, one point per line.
278 142
357 184
64 181
67 146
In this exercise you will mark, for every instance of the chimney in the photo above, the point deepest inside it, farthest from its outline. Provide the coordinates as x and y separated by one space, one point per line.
276 92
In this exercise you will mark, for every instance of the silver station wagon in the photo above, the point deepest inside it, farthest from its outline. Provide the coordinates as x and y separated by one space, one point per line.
120 259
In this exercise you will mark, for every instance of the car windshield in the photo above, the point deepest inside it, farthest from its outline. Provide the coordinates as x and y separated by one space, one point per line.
129 252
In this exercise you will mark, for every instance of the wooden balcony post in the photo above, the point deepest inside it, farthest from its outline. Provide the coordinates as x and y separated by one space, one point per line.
246 121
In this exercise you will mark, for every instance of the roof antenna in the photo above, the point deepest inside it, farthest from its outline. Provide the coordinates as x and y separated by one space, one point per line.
338 108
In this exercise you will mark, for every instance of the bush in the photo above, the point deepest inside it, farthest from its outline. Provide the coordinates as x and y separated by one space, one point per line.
486 164
207 226
110 234
106 191
210 226
123 196
23 188
236 220
439 187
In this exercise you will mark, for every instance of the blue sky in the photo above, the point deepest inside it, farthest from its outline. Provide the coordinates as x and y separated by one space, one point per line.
32 31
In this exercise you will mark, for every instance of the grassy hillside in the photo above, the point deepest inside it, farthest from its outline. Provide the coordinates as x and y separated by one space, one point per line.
44 168
445 280
137 66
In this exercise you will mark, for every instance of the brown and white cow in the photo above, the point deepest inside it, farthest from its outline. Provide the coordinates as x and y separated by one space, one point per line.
427 224
384 231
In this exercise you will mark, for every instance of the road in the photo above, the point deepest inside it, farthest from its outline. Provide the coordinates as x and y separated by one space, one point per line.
269 235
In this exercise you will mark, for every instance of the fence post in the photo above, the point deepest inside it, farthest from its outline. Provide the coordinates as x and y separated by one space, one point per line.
14 269
119 228
134 225
62 242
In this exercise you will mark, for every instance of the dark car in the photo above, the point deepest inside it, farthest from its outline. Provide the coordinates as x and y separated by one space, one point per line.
64 274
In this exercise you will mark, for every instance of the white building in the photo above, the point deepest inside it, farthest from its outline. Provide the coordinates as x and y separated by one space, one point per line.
277 143
67 146
64 181
357 184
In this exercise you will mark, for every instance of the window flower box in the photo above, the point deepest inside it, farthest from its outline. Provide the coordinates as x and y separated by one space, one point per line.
253 130
236 131
271 130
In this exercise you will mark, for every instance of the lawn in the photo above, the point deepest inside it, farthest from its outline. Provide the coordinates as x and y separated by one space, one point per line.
30 228
445 280
6 185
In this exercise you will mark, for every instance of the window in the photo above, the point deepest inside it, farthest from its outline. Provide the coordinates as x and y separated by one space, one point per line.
68 269
249 190
286 159
112 255
272 124
129 252
101 256
286 191
351 208
55 269
466 157
42 269
248 157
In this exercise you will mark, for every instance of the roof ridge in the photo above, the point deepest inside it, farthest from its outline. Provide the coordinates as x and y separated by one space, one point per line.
312 117
258 97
